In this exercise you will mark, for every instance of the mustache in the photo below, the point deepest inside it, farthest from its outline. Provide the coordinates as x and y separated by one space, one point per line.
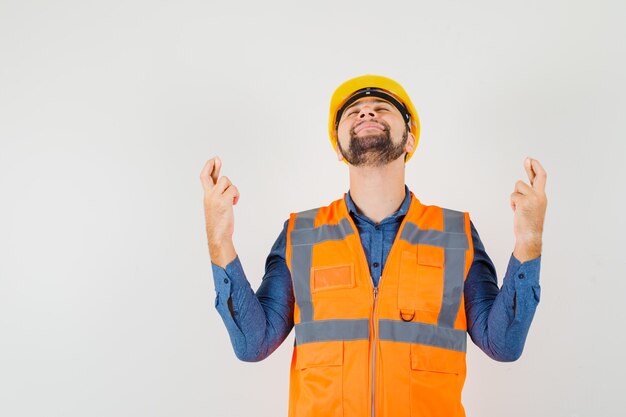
385 125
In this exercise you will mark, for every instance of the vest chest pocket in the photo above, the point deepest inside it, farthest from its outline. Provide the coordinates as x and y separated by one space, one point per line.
421 279
332 277
318 384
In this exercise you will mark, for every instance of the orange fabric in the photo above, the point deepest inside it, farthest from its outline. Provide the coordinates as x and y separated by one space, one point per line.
347 377
332 277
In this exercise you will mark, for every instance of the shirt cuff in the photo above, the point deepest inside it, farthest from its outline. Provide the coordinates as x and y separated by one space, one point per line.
227 284
521 275
230 279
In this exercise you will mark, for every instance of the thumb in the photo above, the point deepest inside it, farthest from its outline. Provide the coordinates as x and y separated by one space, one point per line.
514 198
232 193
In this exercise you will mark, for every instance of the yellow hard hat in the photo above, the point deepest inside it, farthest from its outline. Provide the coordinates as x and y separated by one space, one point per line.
376 86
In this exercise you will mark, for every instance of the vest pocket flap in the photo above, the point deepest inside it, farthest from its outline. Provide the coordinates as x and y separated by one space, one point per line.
311 355
332 277
436 359
430 255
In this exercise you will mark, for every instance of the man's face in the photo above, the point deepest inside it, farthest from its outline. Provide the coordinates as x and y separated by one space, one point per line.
372 132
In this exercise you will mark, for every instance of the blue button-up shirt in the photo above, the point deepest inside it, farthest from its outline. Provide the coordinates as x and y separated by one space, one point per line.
498 319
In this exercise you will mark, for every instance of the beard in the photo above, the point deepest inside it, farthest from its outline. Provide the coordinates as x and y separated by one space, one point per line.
373 150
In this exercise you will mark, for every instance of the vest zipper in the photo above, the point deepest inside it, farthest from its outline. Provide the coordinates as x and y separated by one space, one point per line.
375 292
374 350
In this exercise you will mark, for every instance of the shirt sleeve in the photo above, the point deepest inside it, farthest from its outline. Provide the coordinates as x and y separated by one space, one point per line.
498 320
257 323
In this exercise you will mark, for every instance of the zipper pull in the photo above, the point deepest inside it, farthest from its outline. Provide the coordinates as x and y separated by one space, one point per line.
375 292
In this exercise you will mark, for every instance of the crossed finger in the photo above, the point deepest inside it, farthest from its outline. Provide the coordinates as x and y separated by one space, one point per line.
210 173
216 170
540 176
529 170
536 174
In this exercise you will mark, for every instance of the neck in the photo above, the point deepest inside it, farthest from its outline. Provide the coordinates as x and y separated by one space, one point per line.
378 192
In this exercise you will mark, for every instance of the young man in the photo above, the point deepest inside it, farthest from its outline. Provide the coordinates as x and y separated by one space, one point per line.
381 289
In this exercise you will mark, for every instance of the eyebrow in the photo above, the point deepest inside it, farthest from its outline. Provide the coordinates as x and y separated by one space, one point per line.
356 103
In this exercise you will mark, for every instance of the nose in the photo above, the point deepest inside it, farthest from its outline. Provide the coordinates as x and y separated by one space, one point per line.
366 111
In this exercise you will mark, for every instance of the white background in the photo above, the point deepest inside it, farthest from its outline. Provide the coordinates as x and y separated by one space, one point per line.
109 110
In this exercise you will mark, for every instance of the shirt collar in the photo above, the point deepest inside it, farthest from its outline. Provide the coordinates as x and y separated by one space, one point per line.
403 210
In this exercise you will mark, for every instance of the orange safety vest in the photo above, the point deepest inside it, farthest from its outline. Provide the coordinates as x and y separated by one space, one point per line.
393 351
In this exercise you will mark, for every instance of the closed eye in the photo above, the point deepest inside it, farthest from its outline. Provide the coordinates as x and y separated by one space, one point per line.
351 112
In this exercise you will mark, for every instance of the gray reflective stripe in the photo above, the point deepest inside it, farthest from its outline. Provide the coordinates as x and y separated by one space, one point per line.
423 334
453 221
306 219
321 234
329 330
301 261
454 267
414 235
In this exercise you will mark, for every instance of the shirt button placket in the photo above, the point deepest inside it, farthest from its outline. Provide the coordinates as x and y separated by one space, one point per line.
379 251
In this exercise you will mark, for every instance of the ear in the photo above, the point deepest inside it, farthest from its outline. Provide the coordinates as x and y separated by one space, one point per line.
410 143
339 155
338 151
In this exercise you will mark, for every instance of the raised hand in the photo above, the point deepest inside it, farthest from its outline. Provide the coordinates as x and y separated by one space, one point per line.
529 204
220 195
